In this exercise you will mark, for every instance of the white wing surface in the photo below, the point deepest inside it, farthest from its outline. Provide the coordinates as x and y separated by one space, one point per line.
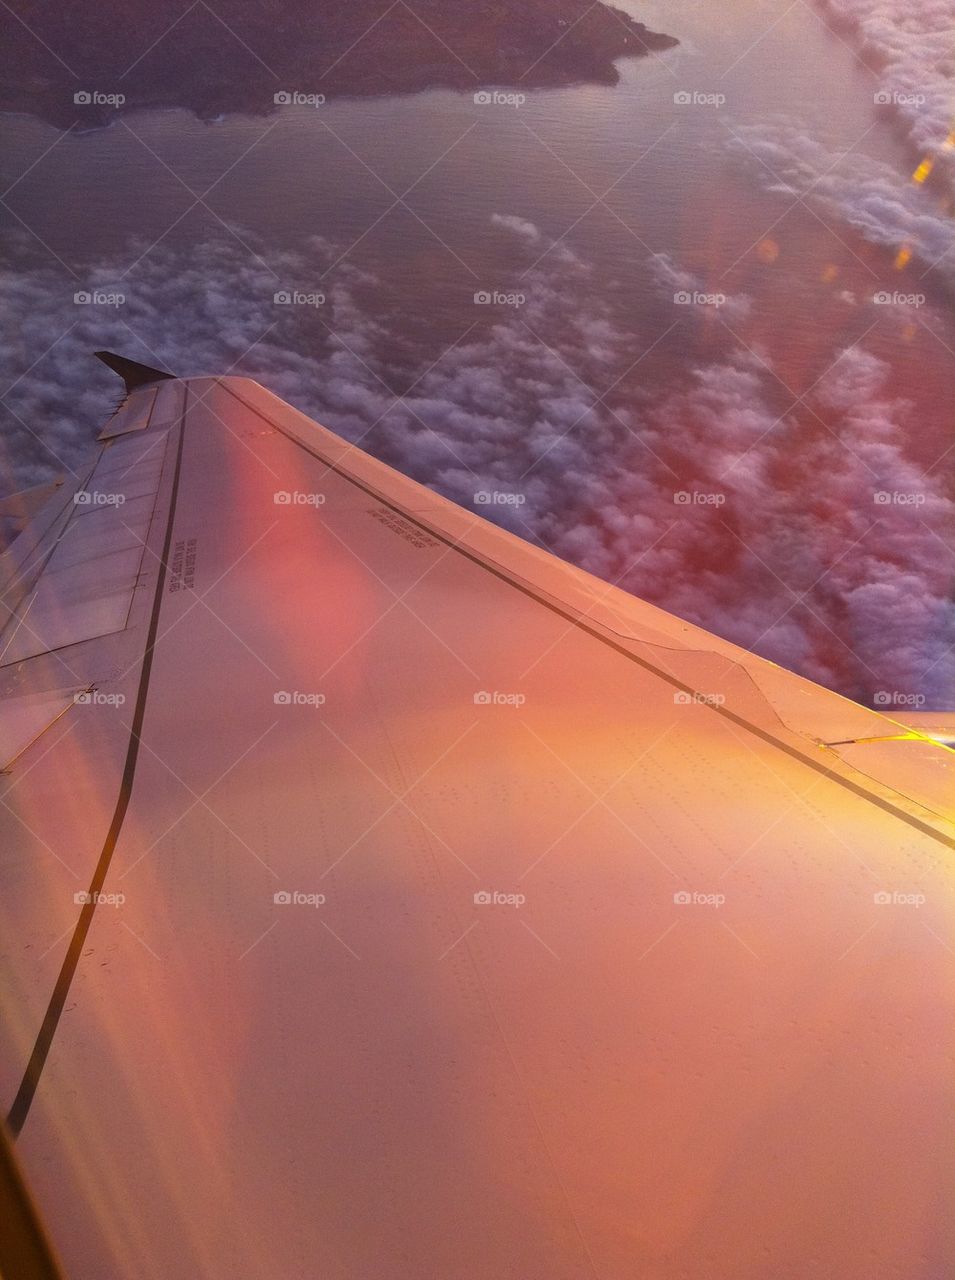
384 899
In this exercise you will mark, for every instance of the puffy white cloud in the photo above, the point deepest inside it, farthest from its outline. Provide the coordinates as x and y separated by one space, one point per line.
913 43
878 201
682 287
679 286
519 226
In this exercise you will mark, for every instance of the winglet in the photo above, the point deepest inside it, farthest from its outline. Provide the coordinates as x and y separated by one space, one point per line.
132 373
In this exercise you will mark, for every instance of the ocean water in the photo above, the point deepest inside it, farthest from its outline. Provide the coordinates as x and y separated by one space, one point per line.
696 325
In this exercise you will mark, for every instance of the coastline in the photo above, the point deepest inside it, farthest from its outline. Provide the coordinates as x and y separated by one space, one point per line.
247 68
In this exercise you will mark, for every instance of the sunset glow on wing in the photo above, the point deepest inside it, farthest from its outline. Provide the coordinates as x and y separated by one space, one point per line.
403 818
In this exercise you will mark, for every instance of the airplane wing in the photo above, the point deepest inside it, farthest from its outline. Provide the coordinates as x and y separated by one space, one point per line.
384 898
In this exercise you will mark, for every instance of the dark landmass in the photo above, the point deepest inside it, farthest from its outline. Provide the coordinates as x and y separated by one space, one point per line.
236 55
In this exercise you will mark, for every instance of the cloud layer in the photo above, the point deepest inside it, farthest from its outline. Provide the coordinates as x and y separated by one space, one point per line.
913 43
881 204
766 526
